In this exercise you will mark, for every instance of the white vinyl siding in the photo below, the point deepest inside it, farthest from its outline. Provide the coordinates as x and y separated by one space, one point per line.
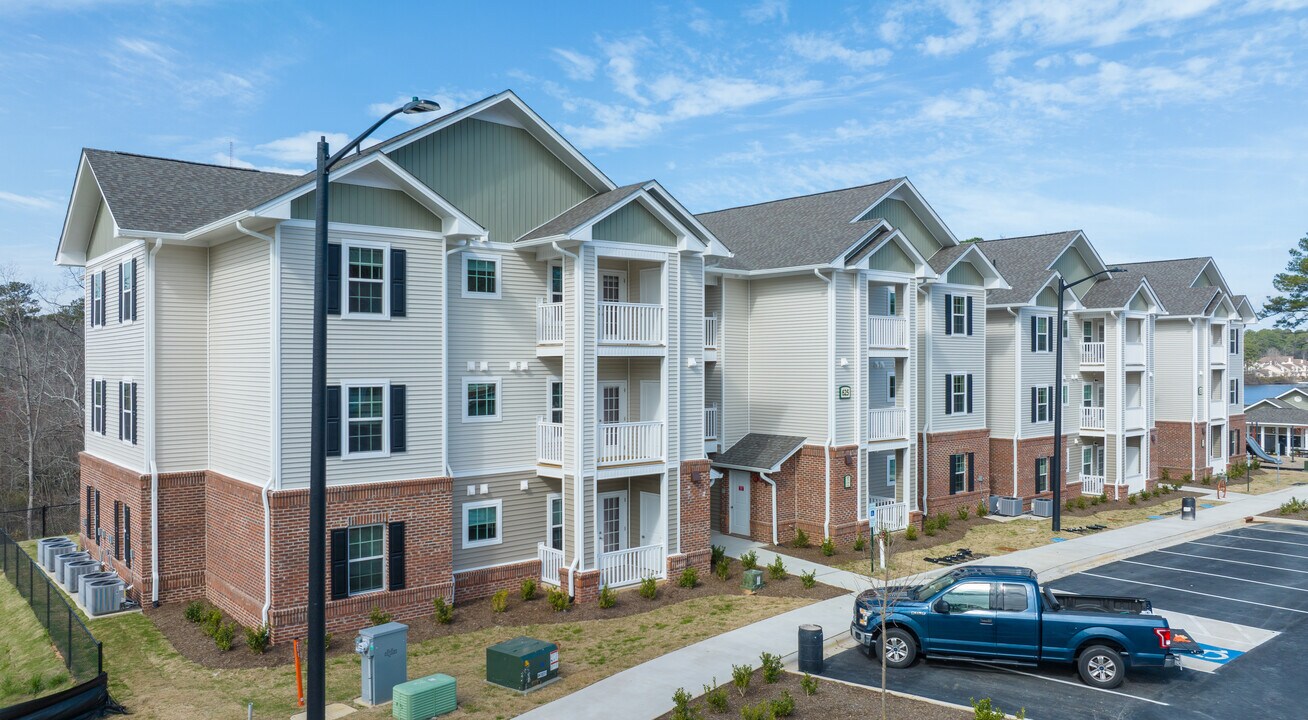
1038 373
957 354
521 517
788 338
1174 370
690 394
114 351
181 357
240 414
1001 373
849 314
734 360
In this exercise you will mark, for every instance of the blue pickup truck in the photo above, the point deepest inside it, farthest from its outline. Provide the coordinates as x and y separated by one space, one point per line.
1003 614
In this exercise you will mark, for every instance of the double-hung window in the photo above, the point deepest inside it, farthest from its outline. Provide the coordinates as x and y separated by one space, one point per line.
891 302
556 282
958 315
481 523
957 473
365 289
1235 443
1087 460
481 399
556 401
958 394
97 298
1042 403
1087 395
554 521
127 291
1042 474
1065 393
365 417
891 390
1042 340
127 411
99 403
367 567
892 470
1087 331
481 276
1235 392
1235 341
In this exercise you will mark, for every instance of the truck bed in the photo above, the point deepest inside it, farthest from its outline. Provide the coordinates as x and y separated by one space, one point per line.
1112 604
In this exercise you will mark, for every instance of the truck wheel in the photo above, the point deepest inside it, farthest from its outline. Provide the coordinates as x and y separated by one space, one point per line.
1101 667
897 648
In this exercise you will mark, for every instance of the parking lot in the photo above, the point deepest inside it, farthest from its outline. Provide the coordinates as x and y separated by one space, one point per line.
1242 594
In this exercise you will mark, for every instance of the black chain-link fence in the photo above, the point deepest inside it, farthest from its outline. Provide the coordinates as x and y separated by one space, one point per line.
41 521
81 652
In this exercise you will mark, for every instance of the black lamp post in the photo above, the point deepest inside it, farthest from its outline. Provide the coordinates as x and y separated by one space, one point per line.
1056 472
315 654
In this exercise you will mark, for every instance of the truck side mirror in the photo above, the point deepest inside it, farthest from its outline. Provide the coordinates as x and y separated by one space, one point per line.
942 607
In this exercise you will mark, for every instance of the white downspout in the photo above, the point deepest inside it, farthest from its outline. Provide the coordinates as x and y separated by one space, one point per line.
445 385
768 480
1017 394
150 426
930 395
831 403
1194 399
578 501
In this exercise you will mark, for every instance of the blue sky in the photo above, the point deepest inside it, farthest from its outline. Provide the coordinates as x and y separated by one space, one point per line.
1162 129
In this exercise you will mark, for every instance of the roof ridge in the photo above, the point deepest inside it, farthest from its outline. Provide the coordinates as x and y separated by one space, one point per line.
1168 260
805 195
189 162
1028 237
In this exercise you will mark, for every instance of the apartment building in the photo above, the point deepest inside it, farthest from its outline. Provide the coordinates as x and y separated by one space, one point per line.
832 308
1199 366
516 370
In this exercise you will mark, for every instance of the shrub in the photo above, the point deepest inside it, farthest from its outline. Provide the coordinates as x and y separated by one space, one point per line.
809 684
929 528
860 543
1164 475
828 547
213 619
500 601
1292 506
649 588
257 639
327 642
607 598
527 591
761 711
224 635
557 599
771 667
1131 499
749 560
808 579
783 706
740 676
444 611
777 570
982 510
723 569
379 616
1144 495
1186 478
195 611
942 521
689 578
719 554
983 709
715 697
1081 503
962 513
1103 497
801 539
910 533
1069 505
681 709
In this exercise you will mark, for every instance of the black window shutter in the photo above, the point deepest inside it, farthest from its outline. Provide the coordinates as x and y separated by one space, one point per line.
949 314
971 472
90 493
1033 334
127 534
333 421
395 550
97 517
398 435
333 279
969 392
1037 476
340 563
118 286
969 314
133 288
134 413
118 530
1034 416
399 283
949 394
121 435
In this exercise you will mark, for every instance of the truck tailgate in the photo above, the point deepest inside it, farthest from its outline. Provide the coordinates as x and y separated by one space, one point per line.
1183 643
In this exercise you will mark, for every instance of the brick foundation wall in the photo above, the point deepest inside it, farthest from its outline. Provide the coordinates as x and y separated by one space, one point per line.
844 501
936 468
117 484
234 542
475 584
696 535
1176 442
586 588
1237 422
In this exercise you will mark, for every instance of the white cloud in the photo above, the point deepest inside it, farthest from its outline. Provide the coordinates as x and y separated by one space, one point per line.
30 202
819 48
767 10
1002 60
621 66
302 149
449 100
1192 80
144 65
969 104
221 158
574 64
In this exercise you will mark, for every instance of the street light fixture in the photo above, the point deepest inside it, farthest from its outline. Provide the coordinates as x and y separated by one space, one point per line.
1056 472
316 695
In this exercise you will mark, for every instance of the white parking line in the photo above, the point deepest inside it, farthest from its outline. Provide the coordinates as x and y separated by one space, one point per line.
1194 592
1069 682
1224 577
1229 560
1280 532
1258 539
1233 547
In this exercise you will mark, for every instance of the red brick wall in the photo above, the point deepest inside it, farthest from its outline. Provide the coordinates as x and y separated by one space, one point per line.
131 489
940 447
471 585
1237 422
234 543
587 586
844 501
1176 442
696 536
1027 452
182 536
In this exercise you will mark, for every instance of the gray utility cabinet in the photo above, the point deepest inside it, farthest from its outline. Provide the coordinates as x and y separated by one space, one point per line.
383 660
1009 506
1042 507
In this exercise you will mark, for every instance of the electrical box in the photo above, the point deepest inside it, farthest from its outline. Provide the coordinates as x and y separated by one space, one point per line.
522 664
383 660
424 698
753 579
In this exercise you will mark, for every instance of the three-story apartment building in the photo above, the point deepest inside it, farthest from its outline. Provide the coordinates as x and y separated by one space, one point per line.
515 369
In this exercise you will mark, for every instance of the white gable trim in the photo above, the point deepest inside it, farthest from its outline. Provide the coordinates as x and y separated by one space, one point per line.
993 280
79 221
922 268
920 206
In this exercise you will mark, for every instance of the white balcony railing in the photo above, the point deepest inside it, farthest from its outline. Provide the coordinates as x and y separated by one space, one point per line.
711 332
1092 418
1133 418
630 566
711 422
631 442
1092 353
549 323
1133 353
1092 484
887 331
551 561
892 515
549 442
887 424
631 323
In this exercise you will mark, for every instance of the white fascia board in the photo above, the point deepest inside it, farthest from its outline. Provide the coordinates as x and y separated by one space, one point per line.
716 247
995 279
1220 277
1080 239
920 206
79 219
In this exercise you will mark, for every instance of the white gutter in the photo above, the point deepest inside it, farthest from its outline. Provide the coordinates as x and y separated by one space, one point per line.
150 426
578 502
1017 396
831 402
768 480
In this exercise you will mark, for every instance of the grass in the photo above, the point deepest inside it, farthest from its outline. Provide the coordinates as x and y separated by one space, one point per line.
1262 481
154 681
27 658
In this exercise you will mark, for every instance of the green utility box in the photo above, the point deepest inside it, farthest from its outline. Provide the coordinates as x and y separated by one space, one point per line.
424 698
522 664
753 580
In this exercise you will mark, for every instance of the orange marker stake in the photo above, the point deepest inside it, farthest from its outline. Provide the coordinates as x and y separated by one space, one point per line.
299 680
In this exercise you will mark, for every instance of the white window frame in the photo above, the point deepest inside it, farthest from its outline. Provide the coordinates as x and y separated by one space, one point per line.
1235 391
1043 334
385 386
1044 407
99 406
349 563
550 499
1065 324
1087 460
1087 331
892 389
549 281
1066 394
892 304
962 469
499 398
955 395
621 275
549 399
499 523
125 428
892 469
499 275
97 297
1045 462
126 277
1088 389
385 279
958 315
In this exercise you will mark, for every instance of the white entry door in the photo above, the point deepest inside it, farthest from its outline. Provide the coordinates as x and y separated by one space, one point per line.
651 400
651 517
613 521
738 507
651 291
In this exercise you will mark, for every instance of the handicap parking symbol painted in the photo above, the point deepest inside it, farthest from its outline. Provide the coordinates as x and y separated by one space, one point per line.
1218 655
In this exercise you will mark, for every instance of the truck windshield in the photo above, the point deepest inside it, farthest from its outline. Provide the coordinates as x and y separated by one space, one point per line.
935 586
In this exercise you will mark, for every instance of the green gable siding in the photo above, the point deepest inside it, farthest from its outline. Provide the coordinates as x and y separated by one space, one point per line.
900 215
1138 303
1073 267
498 175
1047 298
632 223
964 273
891 257
364 205
102 234
1202 281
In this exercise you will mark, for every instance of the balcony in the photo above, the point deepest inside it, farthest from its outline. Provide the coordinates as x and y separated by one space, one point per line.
887 332
712 328
887 424
1133 418
630 443
1217 409
549 328
638 324
549 442
892 514
1092 418
1092 353
551 561
1133 353
1092 484
630 566
711 423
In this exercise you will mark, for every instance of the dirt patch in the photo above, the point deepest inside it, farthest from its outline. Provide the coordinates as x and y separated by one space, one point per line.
832 701
194 645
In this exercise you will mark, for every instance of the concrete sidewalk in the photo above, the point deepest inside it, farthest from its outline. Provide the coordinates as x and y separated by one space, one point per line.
645 691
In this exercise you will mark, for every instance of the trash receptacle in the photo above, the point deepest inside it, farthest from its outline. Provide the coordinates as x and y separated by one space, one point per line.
810 648
1187 508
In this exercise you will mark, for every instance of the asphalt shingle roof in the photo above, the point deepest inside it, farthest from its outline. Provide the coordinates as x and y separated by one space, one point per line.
1171 280
174 196
946 256
1024 263
805 230
1113 292
761 452
1280 413
582 212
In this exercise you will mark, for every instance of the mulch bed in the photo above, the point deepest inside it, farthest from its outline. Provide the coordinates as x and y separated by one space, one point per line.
194 645
832 701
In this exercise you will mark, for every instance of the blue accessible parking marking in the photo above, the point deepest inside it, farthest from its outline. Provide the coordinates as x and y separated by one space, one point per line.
1218 655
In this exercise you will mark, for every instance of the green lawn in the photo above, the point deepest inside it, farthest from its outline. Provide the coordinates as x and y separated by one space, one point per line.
29 665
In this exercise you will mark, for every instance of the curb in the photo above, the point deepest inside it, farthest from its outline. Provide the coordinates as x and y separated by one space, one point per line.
1275 520
1086 563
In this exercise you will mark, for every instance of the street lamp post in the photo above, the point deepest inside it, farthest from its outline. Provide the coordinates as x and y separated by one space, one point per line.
1056 472
316 695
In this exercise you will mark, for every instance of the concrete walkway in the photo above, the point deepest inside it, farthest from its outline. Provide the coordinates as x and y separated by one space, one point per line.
645 691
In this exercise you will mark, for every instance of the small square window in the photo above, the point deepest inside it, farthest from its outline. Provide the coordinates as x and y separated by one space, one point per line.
481 275
481 523
481 399
366 565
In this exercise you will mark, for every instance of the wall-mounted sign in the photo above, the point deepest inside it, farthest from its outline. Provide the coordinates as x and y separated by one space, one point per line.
844 392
